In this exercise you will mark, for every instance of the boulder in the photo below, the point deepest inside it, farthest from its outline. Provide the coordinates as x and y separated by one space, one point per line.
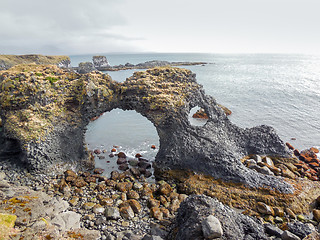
100 62
211 227
235 226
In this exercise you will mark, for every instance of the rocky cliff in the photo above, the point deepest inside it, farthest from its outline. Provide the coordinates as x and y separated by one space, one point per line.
8 61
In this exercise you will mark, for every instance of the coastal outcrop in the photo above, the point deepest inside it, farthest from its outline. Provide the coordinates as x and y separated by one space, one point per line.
45 110
100 62
8 61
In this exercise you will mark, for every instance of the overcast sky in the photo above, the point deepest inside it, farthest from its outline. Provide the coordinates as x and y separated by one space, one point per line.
215 26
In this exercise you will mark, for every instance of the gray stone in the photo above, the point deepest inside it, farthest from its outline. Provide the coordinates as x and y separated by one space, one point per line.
71 219
85 67
250 162
235 226
300 229
266 170
157 230
39 225
211 227
286 235
273 230
112 213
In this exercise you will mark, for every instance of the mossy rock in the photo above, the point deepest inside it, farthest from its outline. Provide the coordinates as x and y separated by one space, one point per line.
7 220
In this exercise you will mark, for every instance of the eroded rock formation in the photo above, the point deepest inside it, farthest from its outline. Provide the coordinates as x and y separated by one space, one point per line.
100 62
45 110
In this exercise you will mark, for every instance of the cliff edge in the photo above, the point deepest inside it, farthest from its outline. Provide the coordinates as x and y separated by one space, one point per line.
8 61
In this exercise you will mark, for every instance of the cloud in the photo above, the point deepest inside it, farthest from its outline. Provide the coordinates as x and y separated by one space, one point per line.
61 27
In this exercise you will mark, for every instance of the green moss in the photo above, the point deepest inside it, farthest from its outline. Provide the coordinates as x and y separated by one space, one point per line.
7 220
52 80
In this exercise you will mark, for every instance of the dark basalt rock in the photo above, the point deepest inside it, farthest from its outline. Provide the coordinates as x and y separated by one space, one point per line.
163 95
235 226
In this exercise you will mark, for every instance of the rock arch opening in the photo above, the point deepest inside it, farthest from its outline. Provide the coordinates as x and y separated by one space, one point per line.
117 132
198 117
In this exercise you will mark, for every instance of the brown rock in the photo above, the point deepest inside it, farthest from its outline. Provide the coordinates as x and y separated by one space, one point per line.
133 195
269 219
156 213
291 167
126 212
308 153
290 213
146 193
264 209
135 205
114 175
122 155
153 203
278 211
135 171
182 197
290 146
165 212
296 152
316 214
79 182
200 114
124 186
153 146
85 174
113 150
106 201
138 155
121 161
111 183
314 164
147 174
62 184
173 195
287 173
97 151
90 179
101 187
175 204
123 167
315 150
70 173
98 170
164 201
165 189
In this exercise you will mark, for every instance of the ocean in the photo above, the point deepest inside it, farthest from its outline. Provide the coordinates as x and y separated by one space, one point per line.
280 90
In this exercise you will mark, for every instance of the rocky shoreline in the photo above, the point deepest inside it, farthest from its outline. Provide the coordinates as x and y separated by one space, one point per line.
101 63
217 181
87 205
